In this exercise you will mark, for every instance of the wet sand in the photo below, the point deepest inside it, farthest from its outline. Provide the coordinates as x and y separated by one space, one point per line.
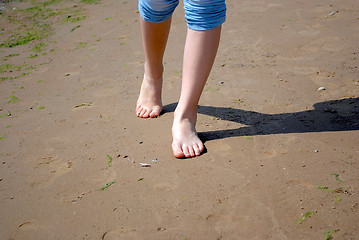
282 159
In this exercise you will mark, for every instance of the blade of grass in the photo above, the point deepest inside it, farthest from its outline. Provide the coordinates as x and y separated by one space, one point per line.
107 185
109 162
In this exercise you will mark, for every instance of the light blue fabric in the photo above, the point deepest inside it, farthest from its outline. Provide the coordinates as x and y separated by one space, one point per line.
200 14
156 10
204 14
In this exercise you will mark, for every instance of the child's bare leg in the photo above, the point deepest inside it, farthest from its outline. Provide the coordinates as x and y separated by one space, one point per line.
199 54
154 39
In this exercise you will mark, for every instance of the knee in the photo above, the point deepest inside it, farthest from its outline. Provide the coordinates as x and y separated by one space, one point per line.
205 14
156 10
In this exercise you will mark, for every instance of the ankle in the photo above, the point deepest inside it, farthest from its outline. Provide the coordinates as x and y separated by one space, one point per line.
153 71
180 115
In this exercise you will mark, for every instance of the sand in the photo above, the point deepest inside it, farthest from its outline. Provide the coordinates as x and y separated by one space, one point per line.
282 159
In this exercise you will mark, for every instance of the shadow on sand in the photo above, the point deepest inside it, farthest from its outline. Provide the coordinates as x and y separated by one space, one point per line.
329 116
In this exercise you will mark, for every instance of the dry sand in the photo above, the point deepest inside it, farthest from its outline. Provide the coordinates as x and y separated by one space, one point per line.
282 158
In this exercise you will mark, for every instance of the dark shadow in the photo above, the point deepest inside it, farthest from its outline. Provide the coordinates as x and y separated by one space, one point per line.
329 116
169 108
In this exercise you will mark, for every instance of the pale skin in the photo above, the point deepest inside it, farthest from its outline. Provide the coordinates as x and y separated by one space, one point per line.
199 54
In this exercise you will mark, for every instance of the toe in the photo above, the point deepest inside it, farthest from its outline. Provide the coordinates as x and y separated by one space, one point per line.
196 150
155 112
177 151
138 110
143 112
146 114
191 151
186 151
201 147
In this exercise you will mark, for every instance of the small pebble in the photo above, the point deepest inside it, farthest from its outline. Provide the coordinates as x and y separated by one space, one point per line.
316 151
220 82
155 160
140 142
321 88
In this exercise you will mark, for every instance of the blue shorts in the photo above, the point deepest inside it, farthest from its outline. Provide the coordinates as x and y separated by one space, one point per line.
200 14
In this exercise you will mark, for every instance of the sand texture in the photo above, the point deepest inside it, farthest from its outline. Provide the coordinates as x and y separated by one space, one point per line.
282 159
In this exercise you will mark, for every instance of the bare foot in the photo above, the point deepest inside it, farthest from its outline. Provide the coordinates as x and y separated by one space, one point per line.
185 140
149 102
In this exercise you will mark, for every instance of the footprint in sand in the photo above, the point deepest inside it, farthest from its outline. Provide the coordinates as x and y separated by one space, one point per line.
326 43
244 214
166 184
49 170
271 148
109 175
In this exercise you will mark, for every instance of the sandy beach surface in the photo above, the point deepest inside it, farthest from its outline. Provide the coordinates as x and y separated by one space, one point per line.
279 116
